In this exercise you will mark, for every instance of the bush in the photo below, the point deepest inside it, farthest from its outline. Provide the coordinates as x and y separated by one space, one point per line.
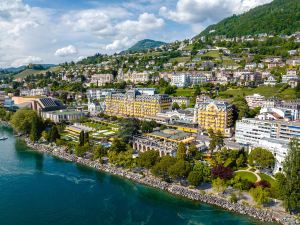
233 198
260 195
195 178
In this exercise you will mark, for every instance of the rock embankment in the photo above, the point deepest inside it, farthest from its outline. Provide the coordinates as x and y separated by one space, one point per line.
149 180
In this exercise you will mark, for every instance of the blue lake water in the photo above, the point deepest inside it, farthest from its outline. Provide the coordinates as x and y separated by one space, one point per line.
37 189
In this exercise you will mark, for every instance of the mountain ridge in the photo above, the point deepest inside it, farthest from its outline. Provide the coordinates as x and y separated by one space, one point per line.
144 44
277 17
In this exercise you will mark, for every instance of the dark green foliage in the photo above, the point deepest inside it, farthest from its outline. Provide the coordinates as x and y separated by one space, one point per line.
130 128
161 168
262 158
241 184
81 150
53 134
148 159
179 170
175 106
181 151
118 145
170 90
289 182
81 138
37 127
144 45
195 178
278 17
204 171
148 126
99 152
240 107
22 120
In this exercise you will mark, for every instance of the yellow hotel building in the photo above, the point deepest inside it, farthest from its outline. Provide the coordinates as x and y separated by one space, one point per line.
134 104
215 115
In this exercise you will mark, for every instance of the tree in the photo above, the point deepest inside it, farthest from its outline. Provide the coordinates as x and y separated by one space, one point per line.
36 129
22 120
204 170
216 140
148 159
53 134
123 159
81 138
240 106
45 135
160 169
130 128
81 150
225 173
260 195
192 151
195 178
170 90
181 151
175 106
148 126
289 181
99 152
262 158
118 145
179 170
219 185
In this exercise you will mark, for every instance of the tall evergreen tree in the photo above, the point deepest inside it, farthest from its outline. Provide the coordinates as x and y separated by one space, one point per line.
81 138
290 184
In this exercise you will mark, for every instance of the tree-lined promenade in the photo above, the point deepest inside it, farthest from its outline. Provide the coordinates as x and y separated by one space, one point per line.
189 167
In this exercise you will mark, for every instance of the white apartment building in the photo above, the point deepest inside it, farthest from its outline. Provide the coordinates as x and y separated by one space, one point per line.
35 92
99 94
180 80
63 115
291 75
197 79
272 135
255 100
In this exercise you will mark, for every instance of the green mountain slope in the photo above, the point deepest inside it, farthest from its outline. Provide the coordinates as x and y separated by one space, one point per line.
144 45
277 17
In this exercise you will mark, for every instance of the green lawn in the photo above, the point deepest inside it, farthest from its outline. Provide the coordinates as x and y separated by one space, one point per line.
180 59
266 91
266 177
214 54
247 175
186 92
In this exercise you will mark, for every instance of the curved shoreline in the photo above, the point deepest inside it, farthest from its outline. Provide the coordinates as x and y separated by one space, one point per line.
151 181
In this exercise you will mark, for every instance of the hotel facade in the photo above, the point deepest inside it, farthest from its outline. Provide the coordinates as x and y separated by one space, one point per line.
215 115
135 104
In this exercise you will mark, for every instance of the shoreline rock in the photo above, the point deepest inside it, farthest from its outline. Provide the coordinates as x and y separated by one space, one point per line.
151 181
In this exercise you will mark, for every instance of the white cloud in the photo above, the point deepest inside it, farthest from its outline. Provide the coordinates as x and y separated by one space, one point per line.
201 11
118 45
66 51
145 22
25 61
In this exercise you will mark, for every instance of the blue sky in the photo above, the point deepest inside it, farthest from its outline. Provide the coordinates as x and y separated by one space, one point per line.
55 31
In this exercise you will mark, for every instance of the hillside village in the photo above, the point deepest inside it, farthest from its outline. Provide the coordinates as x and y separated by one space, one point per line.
209 96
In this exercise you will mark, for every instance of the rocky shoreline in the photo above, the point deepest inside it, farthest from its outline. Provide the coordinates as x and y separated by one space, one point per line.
192 194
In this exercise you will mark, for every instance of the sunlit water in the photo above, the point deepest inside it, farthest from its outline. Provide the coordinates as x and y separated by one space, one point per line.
37 189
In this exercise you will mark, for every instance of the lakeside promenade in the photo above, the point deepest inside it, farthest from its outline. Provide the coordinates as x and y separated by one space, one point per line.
149 180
